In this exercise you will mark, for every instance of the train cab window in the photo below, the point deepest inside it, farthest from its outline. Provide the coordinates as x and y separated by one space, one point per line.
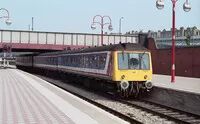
144 58
137 61
134 61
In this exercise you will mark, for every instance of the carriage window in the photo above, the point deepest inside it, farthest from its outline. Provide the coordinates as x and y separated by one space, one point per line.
80 61
86 62
102 61
95 62
67 60
123 61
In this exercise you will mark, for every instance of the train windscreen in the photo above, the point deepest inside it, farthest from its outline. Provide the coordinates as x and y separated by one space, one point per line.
133 61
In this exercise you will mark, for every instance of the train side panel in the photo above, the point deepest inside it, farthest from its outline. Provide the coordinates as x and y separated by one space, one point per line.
46 62
95 64
24 61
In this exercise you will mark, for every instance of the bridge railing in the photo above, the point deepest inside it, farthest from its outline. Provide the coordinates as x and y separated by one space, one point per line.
61 38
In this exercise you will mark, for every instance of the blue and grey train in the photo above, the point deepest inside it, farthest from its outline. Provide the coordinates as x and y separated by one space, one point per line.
126 67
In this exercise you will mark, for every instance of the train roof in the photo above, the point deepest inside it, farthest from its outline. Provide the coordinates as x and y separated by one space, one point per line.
115 47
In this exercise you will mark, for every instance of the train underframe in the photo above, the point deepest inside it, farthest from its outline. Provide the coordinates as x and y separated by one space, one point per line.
133 88
122 89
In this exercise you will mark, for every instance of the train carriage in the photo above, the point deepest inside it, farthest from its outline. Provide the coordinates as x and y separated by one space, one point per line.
48 62
25 61
125 68
96 64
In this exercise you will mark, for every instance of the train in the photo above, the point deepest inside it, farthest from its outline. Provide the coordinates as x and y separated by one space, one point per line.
125 68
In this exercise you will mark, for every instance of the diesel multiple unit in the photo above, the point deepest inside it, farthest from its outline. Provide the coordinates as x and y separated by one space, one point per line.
125 68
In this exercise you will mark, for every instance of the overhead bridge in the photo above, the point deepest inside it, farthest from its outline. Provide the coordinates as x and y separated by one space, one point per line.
37 40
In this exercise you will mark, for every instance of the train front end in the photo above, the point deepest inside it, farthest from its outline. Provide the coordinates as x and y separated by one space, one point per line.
132 70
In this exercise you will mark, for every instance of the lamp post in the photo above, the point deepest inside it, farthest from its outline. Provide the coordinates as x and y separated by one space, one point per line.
32 23
120 22
8 21
93 26
186 8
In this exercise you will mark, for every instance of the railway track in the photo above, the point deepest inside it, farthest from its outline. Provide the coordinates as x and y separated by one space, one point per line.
161 111
108 109
164 112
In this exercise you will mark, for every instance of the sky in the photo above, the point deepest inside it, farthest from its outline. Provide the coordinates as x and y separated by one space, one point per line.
75 16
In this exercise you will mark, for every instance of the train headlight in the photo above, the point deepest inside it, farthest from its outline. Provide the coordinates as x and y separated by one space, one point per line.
148 84
145 77
123 77
124 84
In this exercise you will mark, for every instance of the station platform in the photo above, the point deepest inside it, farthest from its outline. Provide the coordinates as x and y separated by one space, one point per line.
26 99
181 83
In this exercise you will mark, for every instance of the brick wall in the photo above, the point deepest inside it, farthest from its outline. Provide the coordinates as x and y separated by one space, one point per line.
187 60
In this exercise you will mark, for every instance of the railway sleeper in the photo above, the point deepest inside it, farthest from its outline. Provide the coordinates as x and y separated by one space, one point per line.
194 121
